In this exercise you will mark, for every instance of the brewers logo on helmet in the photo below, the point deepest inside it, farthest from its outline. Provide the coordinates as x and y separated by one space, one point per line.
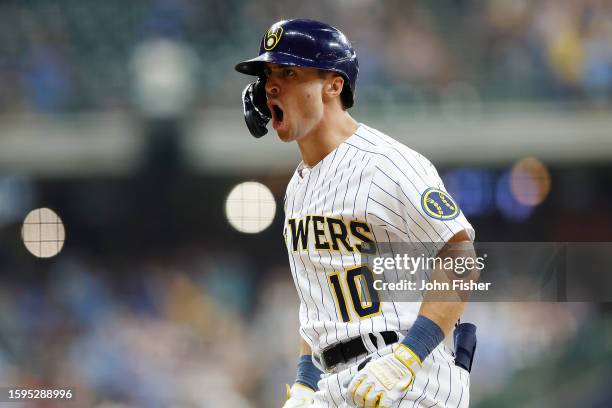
272 38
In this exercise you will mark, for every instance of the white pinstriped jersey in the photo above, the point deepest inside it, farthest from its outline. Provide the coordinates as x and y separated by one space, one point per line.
370 188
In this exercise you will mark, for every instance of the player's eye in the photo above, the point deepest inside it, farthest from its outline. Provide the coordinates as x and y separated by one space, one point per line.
288 72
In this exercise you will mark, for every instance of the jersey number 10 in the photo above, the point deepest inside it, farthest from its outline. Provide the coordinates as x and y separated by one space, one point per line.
364 298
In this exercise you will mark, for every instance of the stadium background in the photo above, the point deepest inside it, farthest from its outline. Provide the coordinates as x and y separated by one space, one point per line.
125 118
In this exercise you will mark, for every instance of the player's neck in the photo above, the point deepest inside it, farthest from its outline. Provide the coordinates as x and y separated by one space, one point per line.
328 135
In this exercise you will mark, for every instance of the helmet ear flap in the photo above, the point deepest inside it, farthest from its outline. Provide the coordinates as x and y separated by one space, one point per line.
255 108
259 96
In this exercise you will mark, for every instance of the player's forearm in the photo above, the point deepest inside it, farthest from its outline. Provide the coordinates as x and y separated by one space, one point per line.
440 309
445 307
445 314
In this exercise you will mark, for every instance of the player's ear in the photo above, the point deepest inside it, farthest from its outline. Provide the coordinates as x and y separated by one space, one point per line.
333 86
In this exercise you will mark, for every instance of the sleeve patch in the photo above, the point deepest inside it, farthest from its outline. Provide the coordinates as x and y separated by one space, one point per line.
438 204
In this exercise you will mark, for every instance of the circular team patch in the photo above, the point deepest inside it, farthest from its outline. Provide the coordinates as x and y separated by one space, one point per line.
438 204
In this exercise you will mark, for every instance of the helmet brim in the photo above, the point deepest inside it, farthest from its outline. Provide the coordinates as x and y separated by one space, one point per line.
255 66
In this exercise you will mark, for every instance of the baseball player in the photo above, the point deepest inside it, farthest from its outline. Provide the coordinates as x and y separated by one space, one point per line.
355 187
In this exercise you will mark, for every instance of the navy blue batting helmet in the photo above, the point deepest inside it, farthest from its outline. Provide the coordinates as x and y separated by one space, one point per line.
307 43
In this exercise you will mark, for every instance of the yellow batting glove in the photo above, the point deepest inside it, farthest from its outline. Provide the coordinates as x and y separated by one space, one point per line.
299 396
383 381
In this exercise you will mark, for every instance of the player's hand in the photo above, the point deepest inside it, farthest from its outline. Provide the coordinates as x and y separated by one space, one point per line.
299 396
384 381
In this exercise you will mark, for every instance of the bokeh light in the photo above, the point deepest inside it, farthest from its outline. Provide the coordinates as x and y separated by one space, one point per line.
473 189
43 233
508 205
250 207
529 181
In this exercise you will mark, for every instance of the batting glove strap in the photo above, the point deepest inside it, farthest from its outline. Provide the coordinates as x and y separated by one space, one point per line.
407 357
384 381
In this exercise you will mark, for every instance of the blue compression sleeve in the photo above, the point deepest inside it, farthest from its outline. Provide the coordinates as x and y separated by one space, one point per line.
307 373
423 337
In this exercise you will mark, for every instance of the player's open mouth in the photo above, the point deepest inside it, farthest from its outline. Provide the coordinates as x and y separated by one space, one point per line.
277 116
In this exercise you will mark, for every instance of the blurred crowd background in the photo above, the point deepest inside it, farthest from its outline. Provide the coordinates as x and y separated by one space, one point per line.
125 118
60 56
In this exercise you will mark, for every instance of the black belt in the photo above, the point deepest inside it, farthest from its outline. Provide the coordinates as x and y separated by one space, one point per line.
344 352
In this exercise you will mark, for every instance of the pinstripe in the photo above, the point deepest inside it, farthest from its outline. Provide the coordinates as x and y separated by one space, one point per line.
340 210
450 382
418 237
341 176
388 223
386 192
340 389
311 260
461 381
344 205
402 156
399 323
292 260
304 266
386 208
408 199
332 212
319 253
294 272
410 233
416 156
390 143
382 312
314 271
438 389
417 192
423 393
354 203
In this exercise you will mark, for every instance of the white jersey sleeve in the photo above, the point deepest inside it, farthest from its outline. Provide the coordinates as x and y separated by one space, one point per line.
409 198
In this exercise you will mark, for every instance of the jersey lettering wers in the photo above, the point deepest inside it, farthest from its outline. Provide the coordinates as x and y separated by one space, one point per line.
370 189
